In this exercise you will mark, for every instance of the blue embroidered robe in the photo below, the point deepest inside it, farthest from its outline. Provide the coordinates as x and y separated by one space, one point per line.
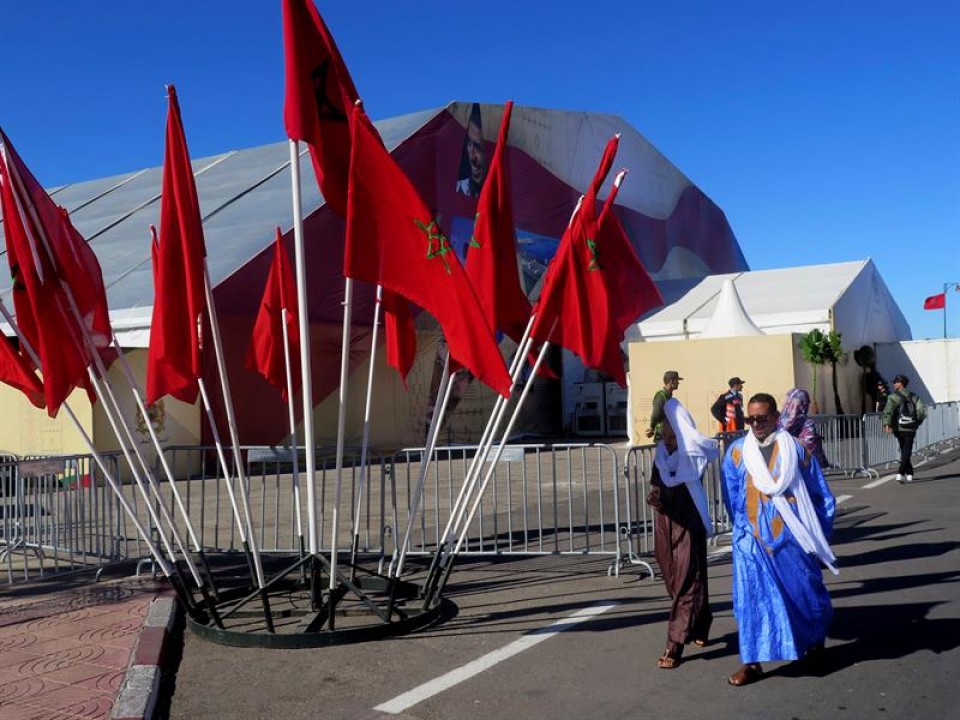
779 600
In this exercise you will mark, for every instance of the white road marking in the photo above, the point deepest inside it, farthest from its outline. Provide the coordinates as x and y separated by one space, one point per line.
879 482
454 677
842 498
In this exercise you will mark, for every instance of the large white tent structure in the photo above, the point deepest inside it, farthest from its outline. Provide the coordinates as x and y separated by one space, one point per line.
850 298
677 231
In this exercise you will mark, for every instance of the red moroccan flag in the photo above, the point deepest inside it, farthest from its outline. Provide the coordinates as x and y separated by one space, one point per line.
394 240
492 257
935 302
595 285
266 353
401 337
174 357
46 255
319 97
17 372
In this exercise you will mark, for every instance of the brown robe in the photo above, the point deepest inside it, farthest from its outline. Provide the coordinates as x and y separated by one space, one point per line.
680 544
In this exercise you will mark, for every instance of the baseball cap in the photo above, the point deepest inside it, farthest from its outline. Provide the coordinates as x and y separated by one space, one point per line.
671 375
902 379
735 381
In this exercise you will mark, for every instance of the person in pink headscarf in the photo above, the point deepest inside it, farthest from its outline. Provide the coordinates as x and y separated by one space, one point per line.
794 419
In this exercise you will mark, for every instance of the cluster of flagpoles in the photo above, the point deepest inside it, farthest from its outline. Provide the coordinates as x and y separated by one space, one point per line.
594 288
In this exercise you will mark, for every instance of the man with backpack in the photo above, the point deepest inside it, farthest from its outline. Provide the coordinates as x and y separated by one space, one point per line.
902 416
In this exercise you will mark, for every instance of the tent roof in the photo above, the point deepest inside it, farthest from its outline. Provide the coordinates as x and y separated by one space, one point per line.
245 194
730 319
785 300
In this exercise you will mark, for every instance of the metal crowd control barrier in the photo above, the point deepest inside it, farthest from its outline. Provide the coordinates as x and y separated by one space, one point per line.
56 515
541 499
269 474
843 444
637 530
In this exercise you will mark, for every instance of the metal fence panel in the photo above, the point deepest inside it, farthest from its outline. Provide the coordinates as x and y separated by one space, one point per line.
59 514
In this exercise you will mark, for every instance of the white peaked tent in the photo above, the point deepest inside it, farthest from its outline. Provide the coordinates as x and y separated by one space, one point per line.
849 297
730 319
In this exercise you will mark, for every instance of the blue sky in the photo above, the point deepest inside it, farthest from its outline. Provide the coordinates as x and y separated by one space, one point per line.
827 131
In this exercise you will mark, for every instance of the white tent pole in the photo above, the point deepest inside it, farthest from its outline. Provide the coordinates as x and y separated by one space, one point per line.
293 427
439 410
365 444
232 425
341 427
305 372
162 563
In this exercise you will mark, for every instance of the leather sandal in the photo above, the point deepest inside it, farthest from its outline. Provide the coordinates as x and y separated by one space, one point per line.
671 657
749 673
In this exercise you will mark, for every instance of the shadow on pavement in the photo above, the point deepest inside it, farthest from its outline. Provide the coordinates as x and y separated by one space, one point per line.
900 552
879 632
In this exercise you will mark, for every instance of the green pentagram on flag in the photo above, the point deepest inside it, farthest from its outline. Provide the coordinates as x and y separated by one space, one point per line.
594 259
473 235
437 243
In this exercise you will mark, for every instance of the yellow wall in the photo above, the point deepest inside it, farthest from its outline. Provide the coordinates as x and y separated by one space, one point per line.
768 363
175 422
25 430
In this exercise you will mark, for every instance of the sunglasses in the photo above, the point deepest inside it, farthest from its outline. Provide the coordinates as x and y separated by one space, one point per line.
756 419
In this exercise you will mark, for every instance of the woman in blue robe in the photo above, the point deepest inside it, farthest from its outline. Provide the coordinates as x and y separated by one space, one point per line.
780 602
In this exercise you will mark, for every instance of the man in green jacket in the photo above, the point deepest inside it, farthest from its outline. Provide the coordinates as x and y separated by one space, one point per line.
902 416
671 381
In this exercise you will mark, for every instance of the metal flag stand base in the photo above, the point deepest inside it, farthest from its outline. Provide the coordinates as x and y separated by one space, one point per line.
296 609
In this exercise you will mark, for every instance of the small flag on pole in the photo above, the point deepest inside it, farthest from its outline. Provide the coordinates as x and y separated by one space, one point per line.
266 353
935 302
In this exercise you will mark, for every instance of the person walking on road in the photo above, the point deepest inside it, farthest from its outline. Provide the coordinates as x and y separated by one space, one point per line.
671 381
782 514
682 527
902 416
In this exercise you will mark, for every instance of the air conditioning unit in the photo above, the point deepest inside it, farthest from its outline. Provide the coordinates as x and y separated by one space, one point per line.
589 416
615 405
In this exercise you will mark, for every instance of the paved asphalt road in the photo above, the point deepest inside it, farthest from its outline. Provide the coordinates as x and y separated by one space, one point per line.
892 651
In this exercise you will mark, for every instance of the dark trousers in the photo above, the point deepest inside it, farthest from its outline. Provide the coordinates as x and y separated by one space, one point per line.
906 450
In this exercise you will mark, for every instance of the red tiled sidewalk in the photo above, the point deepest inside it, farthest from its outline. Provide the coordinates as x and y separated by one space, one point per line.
64 651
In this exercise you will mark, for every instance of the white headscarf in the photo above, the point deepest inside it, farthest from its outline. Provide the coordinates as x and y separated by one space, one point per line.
804 523
687 464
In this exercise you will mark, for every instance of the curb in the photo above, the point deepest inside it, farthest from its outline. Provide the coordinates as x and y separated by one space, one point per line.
139 693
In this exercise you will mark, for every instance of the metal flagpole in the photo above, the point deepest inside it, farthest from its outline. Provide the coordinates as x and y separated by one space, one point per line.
443 393
293 429
365 444
235 441
25 205
491 469
305 372
162 563
945 286
452 529
341 431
